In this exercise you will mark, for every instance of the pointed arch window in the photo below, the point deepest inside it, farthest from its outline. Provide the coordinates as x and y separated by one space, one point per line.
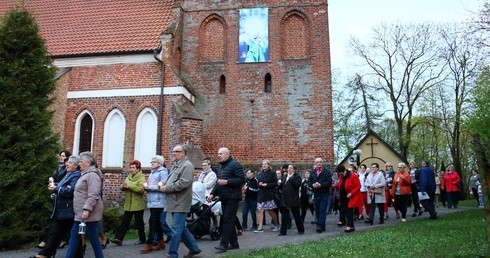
146 136
114 134
84 132
222 84
268 83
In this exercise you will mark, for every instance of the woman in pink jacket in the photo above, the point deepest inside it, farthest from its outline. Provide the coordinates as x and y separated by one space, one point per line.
450 184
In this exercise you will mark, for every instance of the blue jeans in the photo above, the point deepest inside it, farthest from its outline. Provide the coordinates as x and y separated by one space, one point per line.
180 232
321 203
163 220
249 205
91 233
330 202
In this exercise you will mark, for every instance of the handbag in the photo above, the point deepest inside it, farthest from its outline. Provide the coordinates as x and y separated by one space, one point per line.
378 190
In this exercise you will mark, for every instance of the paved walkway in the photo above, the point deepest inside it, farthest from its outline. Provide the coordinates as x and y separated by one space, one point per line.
248 241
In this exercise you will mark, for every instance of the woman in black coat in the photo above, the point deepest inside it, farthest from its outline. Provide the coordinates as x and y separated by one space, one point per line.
290 200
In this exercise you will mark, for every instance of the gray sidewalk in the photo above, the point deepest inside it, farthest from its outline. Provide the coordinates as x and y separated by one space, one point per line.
248 241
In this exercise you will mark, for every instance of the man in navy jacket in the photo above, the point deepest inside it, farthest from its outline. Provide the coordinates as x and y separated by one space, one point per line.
427 185
321 181
229 189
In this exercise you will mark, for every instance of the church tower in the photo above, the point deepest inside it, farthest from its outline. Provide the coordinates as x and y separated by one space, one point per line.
260 70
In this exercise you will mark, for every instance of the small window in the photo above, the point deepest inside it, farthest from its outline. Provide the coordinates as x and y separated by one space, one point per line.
268 83
222 84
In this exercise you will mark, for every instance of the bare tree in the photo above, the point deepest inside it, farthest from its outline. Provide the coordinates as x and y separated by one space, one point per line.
481 23
403 63
464 59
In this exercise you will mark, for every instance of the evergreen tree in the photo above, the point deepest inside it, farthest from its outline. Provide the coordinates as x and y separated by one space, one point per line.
28 147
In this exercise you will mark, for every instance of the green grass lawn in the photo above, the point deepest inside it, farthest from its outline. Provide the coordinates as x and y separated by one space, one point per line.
461 234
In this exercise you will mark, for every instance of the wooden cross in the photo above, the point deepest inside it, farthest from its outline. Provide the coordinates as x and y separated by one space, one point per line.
372 146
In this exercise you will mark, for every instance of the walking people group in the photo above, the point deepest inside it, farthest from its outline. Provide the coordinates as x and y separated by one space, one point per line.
285 194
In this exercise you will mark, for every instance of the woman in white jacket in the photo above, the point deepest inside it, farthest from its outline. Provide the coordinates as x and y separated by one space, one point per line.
375 183
207 176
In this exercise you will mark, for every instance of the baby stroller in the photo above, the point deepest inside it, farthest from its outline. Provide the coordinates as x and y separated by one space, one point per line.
202 219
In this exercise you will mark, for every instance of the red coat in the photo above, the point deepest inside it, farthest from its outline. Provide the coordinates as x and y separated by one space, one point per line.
450 182
352 186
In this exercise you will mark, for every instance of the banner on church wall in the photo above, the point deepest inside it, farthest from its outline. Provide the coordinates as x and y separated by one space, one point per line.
253 38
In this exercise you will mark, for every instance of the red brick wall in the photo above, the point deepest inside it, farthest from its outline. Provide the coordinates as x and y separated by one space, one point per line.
136 76
292 123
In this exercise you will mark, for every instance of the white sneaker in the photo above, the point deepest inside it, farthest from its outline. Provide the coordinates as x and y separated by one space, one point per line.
259 231
275 229
404 220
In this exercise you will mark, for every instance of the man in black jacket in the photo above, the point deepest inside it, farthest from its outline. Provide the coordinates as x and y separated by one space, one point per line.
229 189
250 189
320 181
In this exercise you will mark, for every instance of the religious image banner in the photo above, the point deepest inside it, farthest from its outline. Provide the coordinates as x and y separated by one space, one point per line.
253 38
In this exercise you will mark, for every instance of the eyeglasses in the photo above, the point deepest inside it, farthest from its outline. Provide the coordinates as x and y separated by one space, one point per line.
175 151
154 162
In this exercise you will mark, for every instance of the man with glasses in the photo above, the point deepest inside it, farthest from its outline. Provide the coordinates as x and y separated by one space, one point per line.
320 181
178 189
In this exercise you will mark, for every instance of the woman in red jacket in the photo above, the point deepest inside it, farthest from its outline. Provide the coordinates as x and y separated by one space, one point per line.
350 196
450 183
401 189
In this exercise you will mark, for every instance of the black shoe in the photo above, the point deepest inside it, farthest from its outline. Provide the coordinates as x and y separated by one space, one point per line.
117 242
301 233
318 230
420 213
168 239
369 222
220 248
191 253
62 244
312 222
414 215
381 222
341 224
139 242
233 247
281 234
349 230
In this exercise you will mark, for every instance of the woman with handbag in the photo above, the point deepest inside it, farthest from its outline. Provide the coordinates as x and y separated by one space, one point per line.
375 182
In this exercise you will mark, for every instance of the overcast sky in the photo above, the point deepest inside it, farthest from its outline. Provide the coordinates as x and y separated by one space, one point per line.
357 17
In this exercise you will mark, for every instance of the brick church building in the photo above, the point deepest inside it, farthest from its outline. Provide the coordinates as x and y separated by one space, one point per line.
137 77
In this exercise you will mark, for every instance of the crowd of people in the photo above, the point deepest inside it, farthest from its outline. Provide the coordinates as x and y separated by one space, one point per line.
353 194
